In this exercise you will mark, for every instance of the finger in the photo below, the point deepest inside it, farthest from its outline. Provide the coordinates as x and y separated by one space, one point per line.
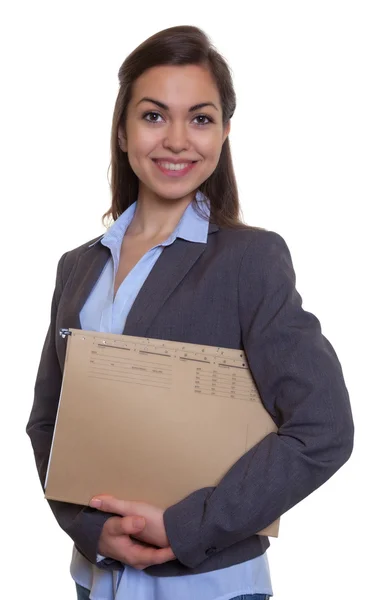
114 526
125 525
131 525
149 556
111 504
164 555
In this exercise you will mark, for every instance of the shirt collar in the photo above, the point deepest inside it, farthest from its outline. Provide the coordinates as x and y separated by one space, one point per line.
191 227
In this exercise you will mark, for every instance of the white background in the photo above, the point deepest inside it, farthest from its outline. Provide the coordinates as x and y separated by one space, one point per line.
307 148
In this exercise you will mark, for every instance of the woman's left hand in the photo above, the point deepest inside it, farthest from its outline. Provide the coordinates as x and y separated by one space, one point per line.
154 531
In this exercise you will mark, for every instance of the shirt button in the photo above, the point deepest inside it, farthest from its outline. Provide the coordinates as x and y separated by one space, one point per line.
211 551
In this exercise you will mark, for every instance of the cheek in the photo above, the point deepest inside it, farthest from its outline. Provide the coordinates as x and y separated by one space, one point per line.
141 140
140 143
210 146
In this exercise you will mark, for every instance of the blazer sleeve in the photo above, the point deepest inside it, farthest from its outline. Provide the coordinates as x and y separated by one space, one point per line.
301 384
82 524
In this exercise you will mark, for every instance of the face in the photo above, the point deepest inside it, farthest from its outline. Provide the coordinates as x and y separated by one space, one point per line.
171 128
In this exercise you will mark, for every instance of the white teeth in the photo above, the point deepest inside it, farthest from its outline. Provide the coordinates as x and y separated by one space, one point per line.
172 166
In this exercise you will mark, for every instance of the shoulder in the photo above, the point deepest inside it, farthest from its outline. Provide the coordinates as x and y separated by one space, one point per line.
79 250
254 242
70 258
262 258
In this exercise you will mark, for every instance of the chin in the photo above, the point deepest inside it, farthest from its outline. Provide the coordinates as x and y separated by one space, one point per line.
174 195
173 190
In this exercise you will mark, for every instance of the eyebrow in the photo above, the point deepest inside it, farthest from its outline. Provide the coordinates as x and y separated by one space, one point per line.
165 107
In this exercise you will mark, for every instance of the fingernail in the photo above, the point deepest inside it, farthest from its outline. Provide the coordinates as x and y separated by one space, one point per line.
95 503
138 521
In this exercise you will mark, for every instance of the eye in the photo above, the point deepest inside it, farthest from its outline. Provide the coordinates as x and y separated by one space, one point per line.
209 119
151 113
156 114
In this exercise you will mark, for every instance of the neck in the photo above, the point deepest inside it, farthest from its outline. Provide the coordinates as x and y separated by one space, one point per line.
157 217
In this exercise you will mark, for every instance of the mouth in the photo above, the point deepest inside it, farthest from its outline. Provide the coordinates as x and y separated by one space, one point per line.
173 170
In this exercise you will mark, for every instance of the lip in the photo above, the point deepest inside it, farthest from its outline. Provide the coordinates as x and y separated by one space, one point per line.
180 173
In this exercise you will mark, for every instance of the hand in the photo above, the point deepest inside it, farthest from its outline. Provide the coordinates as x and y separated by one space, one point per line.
153 531
115 542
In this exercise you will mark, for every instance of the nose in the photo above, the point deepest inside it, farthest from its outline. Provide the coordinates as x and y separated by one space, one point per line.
176 137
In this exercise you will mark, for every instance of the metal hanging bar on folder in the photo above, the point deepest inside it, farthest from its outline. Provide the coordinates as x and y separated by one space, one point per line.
65 332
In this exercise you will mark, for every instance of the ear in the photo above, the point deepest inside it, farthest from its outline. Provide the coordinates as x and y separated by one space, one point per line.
226 132
122 138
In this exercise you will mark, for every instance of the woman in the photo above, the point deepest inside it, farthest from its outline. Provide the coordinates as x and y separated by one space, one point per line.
178 264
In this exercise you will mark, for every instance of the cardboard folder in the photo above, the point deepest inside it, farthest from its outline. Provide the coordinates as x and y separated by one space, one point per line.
150 420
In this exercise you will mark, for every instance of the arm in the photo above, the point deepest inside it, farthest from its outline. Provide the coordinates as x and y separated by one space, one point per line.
82 524
301 384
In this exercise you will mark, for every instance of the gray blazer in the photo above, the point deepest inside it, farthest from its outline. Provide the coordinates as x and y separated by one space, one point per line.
235 291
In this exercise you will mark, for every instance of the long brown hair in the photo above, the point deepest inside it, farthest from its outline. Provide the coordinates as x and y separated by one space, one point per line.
182 45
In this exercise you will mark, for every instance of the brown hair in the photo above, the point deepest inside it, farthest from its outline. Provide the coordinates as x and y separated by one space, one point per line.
182 45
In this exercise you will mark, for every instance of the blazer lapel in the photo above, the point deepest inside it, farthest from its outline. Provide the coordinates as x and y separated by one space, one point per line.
173 264
87 272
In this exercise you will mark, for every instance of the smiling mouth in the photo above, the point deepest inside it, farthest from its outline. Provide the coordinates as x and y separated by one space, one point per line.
187 162
176 171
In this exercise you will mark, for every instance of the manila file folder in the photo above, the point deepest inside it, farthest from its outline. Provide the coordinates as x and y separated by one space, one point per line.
150 420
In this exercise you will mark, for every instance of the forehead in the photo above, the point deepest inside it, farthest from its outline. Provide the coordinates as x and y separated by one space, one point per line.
177 85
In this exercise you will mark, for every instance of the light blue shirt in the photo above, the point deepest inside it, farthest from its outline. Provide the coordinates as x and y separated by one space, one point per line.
102 313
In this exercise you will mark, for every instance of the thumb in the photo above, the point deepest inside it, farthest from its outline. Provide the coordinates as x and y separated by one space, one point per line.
138 522
130 525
